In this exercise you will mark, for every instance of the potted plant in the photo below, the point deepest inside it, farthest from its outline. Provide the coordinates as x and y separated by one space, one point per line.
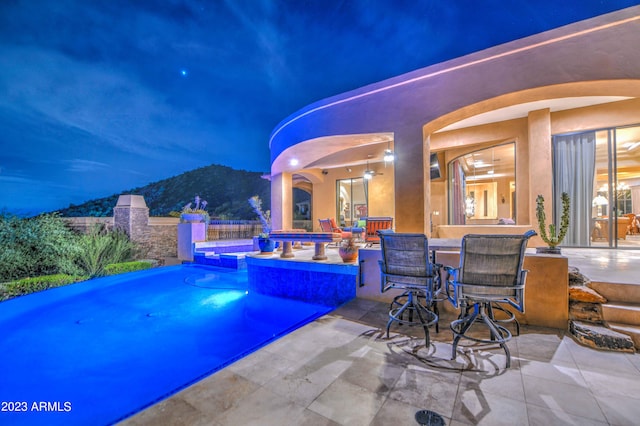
195 214
266 244
555 236
348 250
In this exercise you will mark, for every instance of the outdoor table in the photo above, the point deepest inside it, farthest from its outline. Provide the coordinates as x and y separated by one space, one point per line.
319 238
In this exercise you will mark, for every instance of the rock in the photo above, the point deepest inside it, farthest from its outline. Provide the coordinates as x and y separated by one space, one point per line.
576 278
600 337
585 294
581 311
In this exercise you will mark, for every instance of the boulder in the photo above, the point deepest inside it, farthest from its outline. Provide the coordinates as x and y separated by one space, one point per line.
581 311
585 294
600 337
576 278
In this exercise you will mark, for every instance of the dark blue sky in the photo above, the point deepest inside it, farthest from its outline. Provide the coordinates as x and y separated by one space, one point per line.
97 97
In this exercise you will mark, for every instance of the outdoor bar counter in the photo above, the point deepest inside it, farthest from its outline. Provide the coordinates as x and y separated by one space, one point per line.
546 289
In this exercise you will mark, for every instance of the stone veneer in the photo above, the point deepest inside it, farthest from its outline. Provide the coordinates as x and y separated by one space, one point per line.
131 215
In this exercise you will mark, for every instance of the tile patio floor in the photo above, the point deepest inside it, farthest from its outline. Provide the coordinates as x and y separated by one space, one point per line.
341 370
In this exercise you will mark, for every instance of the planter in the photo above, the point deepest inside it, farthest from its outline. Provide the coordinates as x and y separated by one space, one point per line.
348 255
191 217
266 245
548 250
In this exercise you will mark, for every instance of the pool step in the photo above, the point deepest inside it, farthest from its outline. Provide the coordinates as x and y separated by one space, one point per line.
224 260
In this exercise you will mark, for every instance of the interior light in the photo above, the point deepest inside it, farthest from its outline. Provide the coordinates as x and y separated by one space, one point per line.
388 155
490 172
293 162
368 174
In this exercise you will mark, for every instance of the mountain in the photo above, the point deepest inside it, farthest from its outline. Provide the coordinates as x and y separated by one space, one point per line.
226 191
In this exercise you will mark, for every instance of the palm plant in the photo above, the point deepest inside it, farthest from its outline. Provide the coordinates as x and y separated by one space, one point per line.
101 247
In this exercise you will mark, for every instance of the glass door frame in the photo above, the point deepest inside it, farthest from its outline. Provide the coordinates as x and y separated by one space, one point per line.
606 218
341 205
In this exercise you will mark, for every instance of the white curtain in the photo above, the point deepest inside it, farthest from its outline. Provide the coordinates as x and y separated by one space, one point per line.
574 161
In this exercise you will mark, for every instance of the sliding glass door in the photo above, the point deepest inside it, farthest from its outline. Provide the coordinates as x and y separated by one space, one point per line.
351 203
600 170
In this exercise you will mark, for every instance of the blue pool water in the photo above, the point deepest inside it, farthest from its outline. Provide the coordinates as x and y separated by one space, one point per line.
99 351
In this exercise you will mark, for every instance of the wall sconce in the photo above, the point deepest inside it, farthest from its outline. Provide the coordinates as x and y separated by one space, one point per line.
469 206
502 199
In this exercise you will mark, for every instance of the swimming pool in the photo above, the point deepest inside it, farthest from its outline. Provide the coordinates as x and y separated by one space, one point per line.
99 351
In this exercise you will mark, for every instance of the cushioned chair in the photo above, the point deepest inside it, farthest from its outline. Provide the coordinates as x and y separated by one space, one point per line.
375 224
490 276
405 265
633 228
329 225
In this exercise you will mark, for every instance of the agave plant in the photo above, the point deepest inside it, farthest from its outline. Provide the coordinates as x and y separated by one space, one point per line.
553 237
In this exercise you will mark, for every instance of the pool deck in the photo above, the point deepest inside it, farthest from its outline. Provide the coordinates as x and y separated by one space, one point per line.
341 370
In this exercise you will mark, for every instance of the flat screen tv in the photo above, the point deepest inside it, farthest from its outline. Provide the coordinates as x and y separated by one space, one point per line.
434 166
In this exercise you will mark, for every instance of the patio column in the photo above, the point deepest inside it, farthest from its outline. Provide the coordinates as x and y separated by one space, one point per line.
409 182
282 201
540 162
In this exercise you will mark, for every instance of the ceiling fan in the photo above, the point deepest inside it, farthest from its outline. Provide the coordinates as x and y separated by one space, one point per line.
369 173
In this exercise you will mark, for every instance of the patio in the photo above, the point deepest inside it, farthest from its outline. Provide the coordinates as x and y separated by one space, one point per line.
341 370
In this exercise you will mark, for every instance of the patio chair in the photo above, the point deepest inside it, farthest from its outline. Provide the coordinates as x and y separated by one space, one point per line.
329 225
375 224
405 265
490 275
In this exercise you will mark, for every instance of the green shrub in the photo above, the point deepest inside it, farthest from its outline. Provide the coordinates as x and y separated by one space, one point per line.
121 268
35 284
41 245
100 248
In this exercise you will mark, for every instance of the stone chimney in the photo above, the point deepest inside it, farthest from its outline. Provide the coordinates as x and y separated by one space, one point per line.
131 214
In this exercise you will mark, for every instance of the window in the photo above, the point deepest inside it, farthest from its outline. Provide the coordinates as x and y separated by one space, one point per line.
351 203
482 186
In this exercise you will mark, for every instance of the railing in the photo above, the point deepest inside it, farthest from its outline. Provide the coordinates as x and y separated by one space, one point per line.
233 229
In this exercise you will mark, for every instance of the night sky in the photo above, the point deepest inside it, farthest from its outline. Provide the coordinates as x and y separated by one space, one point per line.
101 96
